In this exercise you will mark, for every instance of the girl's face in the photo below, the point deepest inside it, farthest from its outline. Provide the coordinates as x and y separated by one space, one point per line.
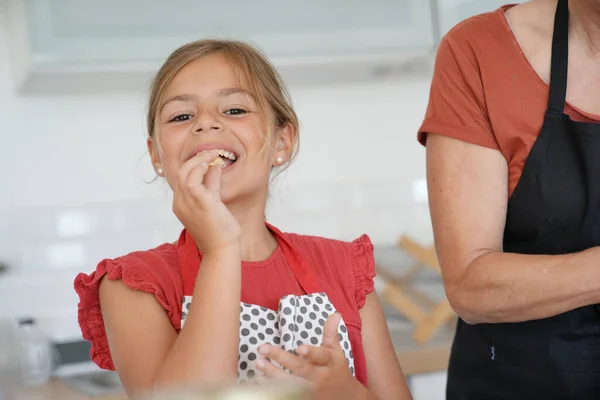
206 107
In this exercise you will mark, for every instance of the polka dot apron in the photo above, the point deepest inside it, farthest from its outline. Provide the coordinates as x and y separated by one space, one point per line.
298 320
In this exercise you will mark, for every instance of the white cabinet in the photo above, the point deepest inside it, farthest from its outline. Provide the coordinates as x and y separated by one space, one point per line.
116 45
107 45
451 12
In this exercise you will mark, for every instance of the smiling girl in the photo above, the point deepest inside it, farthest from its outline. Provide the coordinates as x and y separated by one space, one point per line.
235 298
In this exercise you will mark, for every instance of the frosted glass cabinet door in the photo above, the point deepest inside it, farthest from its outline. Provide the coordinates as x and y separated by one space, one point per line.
117 30
451 12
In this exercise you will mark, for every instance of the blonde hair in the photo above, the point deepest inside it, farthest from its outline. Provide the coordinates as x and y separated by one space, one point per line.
266 85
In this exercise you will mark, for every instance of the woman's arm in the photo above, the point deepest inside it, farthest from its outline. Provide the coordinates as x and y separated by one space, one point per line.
145 348
468 200
386 379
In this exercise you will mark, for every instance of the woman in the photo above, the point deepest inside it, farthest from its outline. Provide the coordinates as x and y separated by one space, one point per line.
513 169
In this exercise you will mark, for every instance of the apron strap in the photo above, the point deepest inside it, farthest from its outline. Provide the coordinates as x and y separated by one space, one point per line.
302 271
560 58
190 259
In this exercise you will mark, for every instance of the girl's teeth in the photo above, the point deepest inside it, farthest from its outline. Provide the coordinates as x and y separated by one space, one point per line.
227 154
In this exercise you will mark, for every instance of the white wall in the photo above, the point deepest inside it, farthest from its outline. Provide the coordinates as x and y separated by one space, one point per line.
62 154
73 191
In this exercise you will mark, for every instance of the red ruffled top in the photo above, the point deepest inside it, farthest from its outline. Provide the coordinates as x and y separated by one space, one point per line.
345 271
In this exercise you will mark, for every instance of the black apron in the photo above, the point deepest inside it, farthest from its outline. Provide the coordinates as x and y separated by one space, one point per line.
555 209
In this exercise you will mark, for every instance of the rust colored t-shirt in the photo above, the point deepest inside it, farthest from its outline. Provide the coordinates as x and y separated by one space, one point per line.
485 92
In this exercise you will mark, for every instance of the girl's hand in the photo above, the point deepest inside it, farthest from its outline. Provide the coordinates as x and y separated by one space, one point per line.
324 367
197 204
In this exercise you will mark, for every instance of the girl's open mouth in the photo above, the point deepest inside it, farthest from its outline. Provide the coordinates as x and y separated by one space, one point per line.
225 159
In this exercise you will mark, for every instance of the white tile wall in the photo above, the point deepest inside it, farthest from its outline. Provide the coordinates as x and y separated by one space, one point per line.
73 173
77 237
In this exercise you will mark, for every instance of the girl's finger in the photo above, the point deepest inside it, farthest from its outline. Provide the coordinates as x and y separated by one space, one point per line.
330 332
273 372
298 365
204 157
315 355
212 179
194 182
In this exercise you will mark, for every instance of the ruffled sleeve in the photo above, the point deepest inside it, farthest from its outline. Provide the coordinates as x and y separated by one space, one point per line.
153 272
363 265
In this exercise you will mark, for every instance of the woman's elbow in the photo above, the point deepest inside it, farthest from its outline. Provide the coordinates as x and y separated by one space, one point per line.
464 304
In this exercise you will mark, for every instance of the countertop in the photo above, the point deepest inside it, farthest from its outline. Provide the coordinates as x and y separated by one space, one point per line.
57 390
414 359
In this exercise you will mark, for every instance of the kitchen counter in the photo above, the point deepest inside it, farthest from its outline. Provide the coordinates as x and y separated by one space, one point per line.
58 390
414 359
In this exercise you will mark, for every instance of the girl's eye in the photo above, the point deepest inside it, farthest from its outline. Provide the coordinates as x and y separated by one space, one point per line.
235 111
180 118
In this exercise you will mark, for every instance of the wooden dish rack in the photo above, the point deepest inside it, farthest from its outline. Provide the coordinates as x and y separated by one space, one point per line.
426 314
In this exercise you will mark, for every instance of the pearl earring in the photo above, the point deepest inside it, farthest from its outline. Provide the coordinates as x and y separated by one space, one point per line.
279 160
159 171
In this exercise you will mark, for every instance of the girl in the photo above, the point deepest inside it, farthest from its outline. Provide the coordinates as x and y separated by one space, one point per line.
264 302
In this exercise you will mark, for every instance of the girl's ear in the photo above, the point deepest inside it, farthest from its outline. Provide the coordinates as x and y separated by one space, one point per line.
285 145
154 156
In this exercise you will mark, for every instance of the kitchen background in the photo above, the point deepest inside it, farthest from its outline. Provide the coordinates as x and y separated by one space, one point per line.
75 172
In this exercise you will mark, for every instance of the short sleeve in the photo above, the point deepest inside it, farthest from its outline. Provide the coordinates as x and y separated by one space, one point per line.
145 271
457 106
363 266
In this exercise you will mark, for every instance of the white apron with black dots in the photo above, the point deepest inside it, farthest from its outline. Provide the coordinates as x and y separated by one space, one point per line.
299 320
